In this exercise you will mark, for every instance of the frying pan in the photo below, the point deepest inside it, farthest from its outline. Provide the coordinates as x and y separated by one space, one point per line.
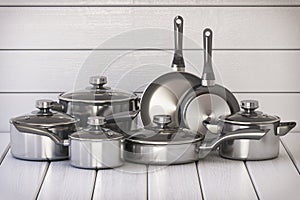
162 95
208 101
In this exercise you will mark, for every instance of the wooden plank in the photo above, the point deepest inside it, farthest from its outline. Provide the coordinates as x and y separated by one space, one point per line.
291 143
224 179
173 182
285 105
71 69
4 145
148 3
112 27
128 181
22 179
65 182
275 179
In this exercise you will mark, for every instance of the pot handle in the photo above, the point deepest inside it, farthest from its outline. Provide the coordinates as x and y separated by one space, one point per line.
247 133
57 106
43 132
178 61
121 117
284 128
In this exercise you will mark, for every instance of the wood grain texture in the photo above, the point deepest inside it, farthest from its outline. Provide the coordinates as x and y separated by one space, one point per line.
52 71
291 143
20 179
224 179
65 182
4 142
128 181
112 27
148 2
275 179
173 182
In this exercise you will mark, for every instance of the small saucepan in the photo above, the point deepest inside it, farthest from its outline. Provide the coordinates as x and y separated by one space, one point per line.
244 149
28 138
163 145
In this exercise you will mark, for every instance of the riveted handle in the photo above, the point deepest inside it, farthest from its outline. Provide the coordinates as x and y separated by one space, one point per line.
178 61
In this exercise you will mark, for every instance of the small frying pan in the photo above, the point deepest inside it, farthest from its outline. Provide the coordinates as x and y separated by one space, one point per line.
162 95
208 101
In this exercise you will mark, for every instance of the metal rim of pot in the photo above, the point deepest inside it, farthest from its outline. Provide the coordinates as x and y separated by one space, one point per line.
98 88
163 86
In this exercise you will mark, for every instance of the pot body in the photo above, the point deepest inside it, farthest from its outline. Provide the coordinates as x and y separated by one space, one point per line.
82 111
29 146
245 149
90 154
161 154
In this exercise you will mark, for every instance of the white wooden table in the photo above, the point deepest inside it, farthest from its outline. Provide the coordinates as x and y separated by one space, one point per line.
210 178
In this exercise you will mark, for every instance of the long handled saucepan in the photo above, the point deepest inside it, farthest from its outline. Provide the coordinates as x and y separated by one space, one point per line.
207 101
163 94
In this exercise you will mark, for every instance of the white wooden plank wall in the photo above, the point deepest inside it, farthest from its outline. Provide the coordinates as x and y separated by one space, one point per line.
46 47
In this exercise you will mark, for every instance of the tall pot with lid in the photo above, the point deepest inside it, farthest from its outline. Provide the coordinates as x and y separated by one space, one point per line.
120 107
244 149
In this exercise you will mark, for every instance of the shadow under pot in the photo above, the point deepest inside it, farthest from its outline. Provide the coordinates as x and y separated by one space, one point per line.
96 147
99 100
164 145
244 149
29 133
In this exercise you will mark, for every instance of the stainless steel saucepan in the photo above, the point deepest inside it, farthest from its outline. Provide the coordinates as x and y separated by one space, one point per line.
244 149
208 100
26 133
163 145
163 94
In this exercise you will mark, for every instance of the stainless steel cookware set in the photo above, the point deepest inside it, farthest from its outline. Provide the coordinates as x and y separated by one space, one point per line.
184 118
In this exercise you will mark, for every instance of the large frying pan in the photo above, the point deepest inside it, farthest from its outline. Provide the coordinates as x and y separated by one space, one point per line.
207 101
162 95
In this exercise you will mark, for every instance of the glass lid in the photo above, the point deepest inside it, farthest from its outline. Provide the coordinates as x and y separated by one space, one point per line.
97 93
249 115
95 131
162 134
44 117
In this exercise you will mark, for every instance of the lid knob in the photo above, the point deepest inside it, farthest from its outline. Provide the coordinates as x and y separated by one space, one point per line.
96 121
98 80
162 119
249 104
43 104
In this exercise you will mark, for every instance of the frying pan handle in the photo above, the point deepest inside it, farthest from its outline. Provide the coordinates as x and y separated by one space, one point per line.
44 132
208 76
178 61
248 133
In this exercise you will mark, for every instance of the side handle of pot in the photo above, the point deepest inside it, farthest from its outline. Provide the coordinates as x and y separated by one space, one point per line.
43 132
57 106
248 133
284 128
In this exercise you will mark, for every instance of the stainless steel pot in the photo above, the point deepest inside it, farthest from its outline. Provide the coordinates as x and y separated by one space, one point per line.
100 100
165 145
243 149
26 133
96 147
162 95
